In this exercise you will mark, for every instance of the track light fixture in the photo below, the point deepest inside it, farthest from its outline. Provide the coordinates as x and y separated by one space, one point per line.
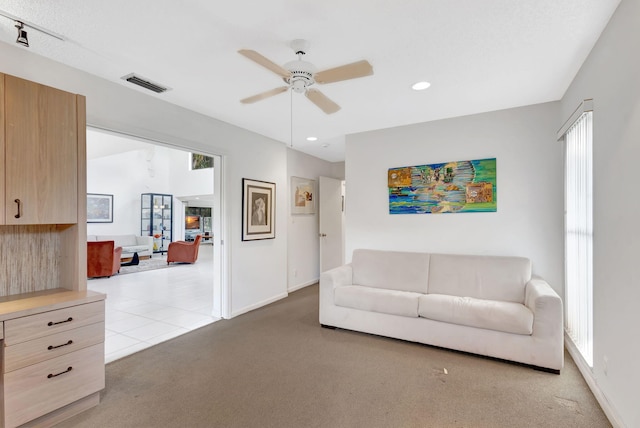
21 24
22 35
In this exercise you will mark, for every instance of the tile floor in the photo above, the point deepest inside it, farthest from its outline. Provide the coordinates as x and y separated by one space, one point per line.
146 308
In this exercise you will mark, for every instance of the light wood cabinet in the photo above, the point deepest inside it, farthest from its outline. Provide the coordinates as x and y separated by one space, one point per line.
51 327
40 153
53 358
43 166
2 162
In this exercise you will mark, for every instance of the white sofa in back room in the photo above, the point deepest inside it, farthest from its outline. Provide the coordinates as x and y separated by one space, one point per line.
143 245
487 305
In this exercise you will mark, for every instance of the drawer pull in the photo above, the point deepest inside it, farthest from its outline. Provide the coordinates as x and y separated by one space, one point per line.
60 346
60 322
19 214
50 375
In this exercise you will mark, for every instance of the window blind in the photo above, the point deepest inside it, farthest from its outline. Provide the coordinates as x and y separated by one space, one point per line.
579 235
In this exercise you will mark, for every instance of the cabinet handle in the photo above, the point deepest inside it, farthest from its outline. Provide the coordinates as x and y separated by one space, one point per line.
50 375
60 322
59 346
17 201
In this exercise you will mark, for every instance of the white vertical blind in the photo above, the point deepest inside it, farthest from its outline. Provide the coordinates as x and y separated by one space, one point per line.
579 235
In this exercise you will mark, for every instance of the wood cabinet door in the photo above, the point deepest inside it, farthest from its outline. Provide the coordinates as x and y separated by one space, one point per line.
2 198
41 151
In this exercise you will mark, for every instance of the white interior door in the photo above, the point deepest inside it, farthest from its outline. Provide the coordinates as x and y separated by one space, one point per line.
331 223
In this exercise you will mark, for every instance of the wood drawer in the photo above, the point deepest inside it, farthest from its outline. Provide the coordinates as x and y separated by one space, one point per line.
34 351
31 327
38 389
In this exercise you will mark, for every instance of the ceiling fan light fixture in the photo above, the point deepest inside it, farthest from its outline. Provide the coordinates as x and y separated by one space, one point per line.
420 86
22 35
299 85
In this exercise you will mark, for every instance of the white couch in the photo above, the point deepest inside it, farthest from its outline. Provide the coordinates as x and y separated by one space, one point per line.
143 245
485 305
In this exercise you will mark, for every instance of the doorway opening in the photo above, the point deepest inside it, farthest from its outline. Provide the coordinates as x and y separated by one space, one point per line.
145 307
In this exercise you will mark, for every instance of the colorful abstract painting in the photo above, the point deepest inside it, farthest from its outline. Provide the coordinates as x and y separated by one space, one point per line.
452 187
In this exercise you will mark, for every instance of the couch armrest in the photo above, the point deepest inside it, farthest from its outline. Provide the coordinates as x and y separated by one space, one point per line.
329 280
546 306
342 275
145 240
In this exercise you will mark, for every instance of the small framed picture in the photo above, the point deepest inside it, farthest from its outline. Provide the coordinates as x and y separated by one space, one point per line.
303 196
99 208
258 210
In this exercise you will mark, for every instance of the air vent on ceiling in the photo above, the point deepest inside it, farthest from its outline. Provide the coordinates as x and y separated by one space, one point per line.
145 83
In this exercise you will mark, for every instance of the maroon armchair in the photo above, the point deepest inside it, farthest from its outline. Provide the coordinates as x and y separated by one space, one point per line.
183 251
103 258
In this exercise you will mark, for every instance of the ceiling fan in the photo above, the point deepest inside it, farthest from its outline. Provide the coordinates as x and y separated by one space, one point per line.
300 75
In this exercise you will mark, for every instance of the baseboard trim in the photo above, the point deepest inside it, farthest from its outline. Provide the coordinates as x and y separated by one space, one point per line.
258 305
587 374
303 285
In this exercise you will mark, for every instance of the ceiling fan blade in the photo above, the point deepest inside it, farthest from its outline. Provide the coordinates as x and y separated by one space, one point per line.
265 62
264 95
345 72
319 99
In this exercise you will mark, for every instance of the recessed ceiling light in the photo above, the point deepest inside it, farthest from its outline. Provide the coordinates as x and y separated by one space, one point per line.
312 138
420 86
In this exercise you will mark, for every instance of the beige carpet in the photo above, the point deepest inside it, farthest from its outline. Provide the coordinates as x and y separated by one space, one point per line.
276 367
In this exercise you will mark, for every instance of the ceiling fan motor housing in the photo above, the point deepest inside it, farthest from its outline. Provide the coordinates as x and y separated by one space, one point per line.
302 73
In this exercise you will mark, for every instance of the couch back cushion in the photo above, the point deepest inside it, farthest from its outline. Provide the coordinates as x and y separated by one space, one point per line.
393 270
120 240
481 277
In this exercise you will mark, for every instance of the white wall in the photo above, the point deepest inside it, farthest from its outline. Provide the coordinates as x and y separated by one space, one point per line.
611 76
528 221
125 177
257 270
185 181
304 242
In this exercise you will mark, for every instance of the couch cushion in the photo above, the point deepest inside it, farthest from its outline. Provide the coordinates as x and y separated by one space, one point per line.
393 270
403 303
482 277
489 314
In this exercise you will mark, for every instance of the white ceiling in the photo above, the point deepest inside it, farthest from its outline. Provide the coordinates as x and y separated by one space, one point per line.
102 144
479 55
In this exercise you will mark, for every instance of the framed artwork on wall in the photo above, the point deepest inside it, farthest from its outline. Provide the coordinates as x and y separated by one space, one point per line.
303 196
258 210
99 208
451 187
